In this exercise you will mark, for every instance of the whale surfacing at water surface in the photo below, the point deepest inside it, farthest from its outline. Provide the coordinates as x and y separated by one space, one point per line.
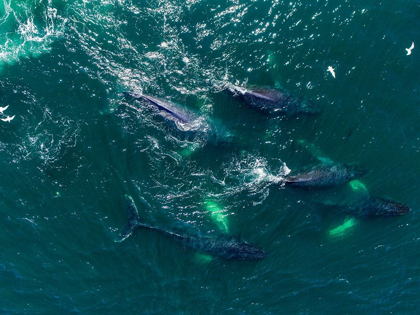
325 175
273 101
228 247
174 111
188 121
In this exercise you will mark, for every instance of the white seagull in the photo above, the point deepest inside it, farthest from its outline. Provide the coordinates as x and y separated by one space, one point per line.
331 69
410 49
8 118
2 109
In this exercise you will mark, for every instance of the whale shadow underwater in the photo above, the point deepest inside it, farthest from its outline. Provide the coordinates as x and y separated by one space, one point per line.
224 246
188 122
272 101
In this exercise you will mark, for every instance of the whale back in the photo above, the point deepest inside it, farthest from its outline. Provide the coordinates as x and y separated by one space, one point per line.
325 175
228 247
231 247
370 206
175 111
273 101
378 206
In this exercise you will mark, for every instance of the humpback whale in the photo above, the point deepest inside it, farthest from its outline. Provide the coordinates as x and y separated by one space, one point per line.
272 101
228 247
373 207
187 121
320 176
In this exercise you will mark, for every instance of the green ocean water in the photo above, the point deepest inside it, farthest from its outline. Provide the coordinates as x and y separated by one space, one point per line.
76 146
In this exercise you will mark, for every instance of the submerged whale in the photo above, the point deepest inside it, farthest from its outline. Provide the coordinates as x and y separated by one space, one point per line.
320 176
187 121
374 207
228 247
273 101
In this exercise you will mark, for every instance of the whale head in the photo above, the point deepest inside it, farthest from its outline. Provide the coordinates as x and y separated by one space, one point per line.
386 207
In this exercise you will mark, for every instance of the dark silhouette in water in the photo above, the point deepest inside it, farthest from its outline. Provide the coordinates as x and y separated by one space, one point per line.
321 176
228 247
273 101
187 121
374 207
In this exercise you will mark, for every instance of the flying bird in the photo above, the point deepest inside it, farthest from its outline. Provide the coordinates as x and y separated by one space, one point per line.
8 118
410 49
2 109
331 69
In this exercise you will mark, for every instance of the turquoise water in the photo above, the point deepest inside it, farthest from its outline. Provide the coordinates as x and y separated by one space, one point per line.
76 146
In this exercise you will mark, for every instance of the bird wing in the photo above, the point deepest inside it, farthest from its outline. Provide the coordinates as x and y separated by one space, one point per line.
412 46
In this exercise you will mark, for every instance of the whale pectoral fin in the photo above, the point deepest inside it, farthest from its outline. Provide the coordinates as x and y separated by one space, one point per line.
217 214
357 185
203 258
344 228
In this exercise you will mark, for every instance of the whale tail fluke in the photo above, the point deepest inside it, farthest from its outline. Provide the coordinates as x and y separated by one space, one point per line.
133 219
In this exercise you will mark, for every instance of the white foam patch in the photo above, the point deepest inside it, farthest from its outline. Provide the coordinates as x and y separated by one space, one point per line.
253 174
286 169
50 146
126 65
259 173
27 38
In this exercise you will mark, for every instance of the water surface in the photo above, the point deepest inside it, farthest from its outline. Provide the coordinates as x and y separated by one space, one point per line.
77 146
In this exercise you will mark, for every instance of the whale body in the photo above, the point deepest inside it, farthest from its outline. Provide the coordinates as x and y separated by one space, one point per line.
321 176
187 121
378 206
374 207
227 247
273 101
